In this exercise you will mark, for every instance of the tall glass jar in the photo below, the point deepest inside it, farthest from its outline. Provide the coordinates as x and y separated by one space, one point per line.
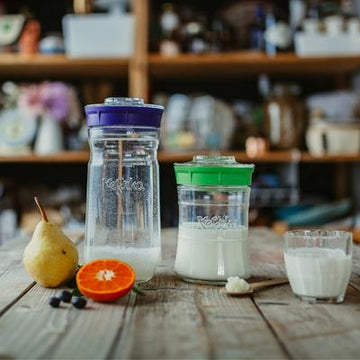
123 213
284 118
213 194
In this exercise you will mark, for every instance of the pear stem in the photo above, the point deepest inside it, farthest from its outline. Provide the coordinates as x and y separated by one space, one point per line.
41 209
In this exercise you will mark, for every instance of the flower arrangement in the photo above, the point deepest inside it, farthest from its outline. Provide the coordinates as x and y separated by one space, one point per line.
52 103
55 100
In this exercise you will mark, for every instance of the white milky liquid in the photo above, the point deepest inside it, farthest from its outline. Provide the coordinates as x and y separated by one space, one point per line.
143 260
318 272
212 254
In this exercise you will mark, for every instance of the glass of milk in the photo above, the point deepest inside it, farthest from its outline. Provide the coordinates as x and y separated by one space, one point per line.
213 193
318 263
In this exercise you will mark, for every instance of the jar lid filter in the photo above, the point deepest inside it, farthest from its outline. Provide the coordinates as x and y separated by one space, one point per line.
124 111
213 170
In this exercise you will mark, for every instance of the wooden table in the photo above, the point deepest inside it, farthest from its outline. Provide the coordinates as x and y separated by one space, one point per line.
177 320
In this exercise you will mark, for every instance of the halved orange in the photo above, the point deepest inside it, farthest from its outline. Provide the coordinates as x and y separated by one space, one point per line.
105 279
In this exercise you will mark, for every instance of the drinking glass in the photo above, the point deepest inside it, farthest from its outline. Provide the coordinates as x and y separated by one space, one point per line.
318 263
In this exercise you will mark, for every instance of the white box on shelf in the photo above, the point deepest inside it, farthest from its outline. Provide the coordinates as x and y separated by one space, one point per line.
333 139
99 35
307 45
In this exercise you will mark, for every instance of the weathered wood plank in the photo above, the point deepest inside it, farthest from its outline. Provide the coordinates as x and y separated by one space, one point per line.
196 324
32 329
14 280
199 323
315 331
355 277
31 326
181 320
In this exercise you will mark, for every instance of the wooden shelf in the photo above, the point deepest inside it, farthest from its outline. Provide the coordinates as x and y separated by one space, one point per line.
171 157
274 156
269 157
16 66
247 63
306 157
61 157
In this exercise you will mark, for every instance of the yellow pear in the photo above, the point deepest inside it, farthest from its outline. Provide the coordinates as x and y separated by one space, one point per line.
50 258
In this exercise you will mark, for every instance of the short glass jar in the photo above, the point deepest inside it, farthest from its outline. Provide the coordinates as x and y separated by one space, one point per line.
213 193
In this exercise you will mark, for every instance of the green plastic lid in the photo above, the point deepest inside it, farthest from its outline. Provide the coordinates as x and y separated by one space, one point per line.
213 170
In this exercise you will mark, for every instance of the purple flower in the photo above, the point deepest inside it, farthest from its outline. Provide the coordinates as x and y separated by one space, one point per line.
53 99
56 99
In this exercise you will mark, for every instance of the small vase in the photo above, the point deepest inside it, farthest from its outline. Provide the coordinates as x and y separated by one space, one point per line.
49 139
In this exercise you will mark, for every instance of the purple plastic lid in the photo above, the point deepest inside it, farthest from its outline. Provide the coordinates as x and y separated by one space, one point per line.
124 111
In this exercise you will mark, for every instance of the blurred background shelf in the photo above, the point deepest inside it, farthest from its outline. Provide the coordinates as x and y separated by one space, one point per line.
247 63
227 75
60 66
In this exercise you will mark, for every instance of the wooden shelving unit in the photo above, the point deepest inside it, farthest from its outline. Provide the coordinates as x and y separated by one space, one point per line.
137 74
143 66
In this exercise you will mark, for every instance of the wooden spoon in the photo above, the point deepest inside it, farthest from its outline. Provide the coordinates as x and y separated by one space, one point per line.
257 285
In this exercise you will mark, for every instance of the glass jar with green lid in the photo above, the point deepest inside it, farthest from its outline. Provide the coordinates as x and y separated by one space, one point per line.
213 194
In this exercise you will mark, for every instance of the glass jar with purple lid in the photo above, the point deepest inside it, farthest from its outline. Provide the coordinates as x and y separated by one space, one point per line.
123 212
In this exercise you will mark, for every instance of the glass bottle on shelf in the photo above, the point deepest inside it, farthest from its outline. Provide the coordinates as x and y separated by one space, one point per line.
297 13
245 124
220 36
313 11
8 211
195 33
256 29
270 21
283 118
169 24
348 8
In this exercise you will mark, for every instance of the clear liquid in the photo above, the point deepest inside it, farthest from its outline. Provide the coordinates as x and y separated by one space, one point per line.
122 215
318 272
143 260
212 254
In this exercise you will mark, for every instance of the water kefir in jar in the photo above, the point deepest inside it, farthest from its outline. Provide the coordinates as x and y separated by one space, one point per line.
142 259
212 254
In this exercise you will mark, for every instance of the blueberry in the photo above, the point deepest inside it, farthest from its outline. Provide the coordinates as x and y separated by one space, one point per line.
79 302
54 302
65 296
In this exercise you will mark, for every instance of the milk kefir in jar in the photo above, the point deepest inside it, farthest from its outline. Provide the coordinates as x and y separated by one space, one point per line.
213 194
